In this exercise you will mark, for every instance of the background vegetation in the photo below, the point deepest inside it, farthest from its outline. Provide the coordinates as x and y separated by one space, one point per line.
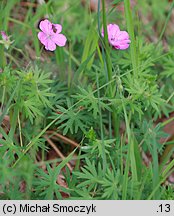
87 121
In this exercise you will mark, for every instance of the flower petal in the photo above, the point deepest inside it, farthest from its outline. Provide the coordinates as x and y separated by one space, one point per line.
121 47
113 29
50 45
123 35
59 39
124 42
42 37
58 28
46 26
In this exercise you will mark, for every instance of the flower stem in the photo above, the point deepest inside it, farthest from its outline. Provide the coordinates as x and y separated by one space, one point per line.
2 57
2 54
115 118
106 43
69 70
130 28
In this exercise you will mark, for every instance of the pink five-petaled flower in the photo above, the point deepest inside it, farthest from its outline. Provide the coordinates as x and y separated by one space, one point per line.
118 39
50 35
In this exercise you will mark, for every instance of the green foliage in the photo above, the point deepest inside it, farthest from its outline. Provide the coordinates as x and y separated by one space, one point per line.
33 93
149 132
91 102
144 91
94 145
74 118
168 64
107 100
46 186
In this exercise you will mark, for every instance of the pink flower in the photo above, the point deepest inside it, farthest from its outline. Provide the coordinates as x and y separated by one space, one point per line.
50 35
118 39
5 40
4 36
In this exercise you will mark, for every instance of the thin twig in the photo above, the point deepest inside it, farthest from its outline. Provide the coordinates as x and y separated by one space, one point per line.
28 4
64 138
59 153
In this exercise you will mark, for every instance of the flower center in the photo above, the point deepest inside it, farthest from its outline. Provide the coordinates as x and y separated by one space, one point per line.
54 29
113 38
49 36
